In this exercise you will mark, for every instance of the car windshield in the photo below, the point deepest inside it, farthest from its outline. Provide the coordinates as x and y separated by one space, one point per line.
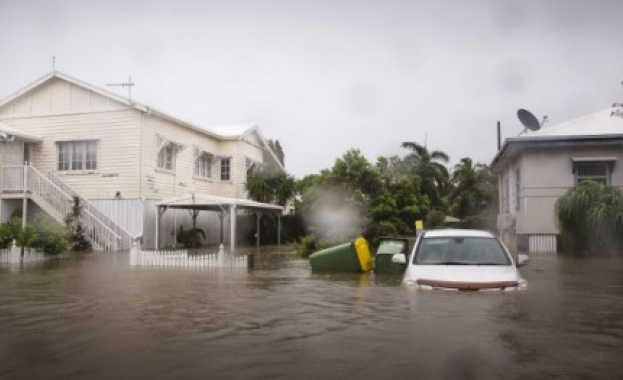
392 246
461 251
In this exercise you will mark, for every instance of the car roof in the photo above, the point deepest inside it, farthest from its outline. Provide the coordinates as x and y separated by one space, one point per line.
457 233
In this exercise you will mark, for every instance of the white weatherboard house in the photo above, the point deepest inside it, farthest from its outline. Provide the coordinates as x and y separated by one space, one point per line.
61 138
538 167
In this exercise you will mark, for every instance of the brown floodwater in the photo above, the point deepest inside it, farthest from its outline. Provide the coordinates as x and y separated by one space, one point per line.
95 317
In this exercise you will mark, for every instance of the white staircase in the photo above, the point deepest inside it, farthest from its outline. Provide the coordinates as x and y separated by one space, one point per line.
56 198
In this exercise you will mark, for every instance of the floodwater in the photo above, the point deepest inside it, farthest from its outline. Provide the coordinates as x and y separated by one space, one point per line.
95 317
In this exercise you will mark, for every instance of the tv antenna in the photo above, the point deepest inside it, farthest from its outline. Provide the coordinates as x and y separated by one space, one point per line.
129 84
530 121
617 109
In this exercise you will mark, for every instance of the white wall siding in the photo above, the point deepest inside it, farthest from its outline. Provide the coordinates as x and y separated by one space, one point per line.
542 243
158 183
128 213
116 133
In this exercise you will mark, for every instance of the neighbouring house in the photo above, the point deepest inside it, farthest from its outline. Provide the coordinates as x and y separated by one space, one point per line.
536 168
62 138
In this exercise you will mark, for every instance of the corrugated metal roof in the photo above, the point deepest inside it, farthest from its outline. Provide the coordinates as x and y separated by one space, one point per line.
596 124
232 131
213 202
602 126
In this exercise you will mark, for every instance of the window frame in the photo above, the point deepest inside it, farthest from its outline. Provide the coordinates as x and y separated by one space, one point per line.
77 156
225 169
166 154
207 159
166 158
607 164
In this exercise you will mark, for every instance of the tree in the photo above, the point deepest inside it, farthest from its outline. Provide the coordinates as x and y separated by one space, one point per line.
337 202
472 198
433 174
355 171
402 202
270 186
275 146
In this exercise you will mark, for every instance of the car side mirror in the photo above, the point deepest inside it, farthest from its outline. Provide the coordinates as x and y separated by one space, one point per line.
399 258
522 260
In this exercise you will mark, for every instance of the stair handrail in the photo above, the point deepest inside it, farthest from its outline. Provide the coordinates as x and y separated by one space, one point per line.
90 209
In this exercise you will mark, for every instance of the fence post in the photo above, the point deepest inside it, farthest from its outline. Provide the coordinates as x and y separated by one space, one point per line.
134 253
15 254
221 256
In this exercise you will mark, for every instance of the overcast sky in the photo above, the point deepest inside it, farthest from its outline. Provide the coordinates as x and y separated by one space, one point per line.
323 77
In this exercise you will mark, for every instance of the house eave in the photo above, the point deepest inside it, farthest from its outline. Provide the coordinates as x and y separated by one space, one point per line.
514 144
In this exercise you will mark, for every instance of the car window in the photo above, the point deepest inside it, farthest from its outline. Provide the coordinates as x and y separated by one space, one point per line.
461 251
392 247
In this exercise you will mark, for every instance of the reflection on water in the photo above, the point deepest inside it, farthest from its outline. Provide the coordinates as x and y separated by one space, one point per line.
95 317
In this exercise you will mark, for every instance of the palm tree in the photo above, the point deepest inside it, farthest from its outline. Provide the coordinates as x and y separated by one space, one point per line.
473 191
429 167
270 186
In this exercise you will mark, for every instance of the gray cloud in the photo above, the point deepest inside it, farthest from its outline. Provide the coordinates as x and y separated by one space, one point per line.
327 76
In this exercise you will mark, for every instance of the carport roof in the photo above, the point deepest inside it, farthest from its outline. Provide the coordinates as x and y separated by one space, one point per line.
213 203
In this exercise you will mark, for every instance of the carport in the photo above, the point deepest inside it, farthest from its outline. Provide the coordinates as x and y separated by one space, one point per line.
224 206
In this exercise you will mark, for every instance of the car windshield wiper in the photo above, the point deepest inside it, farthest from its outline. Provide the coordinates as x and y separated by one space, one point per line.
448 263
489 263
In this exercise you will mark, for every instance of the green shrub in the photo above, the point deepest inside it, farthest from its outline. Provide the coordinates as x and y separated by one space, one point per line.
23 236
590 218
6 236
190 238
434 219
308 245
50 237
73 222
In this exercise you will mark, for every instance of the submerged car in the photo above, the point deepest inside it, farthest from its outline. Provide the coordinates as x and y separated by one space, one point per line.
461 260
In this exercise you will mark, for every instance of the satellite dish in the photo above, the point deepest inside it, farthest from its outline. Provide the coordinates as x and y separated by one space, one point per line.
528 120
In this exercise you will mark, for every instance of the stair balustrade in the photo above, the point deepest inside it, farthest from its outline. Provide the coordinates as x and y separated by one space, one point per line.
57 198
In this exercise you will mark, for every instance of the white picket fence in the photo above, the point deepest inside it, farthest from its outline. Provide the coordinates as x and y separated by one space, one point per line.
14 255
181 259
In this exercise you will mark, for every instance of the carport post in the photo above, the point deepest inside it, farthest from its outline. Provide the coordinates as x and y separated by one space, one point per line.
158 214
159 211
258 215
232 228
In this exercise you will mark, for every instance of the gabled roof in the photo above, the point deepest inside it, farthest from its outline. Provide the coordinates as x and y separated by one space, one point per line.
603 127
236 132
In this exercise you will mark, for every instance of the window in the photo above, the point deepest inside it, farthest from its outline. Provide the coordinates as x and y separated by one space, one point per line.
595 170
77 155
165 157
167 151
203 165
225 169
